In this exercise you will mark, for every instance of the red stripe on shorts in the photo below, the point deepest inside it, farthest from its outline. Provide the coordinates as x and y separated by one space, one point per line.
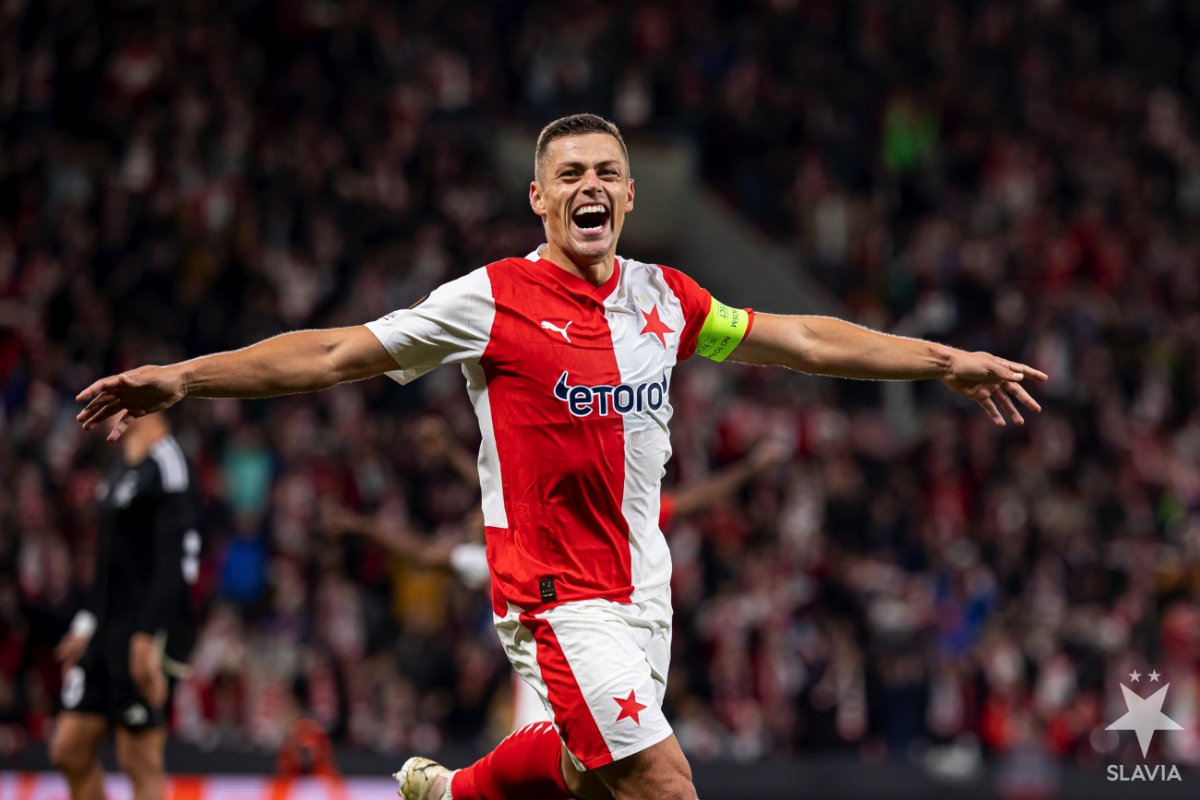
572 715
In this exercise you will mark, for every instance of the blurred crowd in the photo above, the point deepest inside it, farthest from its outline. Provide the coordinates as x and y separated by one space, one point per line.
1019 177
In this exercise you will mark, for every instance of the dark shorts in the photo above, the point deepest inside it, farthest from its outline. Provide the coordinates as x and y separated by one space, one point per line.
100 684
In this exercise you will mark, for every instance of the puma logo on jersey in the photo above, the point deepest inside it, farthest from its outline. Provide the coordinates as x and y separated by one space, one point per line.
547 325
623 398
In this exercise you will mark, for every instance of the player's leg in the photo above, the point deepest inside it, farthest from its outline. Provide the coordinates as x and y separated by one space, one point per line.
75 751
531 763
660 772
601 668
527 765
517 768
140 756
141 734
81 727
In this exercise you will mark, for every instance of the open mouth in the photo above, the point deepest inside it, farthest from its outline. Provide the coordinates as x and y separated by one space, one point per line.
591 219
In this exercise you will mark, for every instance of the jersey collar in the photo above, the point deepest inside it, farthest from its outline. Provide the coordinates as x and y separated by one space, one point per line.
574 282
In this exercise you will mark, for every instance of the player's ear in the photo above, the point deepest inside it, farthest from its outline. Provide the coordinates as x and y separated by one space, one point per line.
535 199
629 197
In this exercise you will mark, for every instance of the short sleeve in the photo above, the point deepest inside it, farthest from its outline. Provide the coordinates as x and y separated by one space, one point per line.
711 328
449 326
695 301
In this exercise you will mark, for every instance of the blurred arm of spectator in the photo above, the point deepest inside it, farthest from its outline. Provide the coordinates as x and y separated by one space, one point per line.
300 361
338 520
828 346
466 559
434 439
704 493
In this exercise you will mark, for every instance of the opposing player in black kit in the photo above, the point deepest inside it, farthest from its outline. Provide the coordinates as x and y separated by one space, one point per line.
138 626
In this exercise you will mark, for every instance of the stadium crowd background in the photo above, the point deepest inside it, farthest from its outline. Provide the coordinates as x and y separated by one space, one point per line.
182 178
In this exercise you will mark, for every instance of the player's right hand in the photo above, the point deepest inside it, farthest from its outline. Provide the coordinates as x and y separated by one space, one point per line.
145 667
132 394
70 649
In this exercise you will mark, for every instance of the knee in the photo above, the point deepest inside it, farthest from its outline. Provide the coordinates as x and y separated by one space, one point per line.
69 758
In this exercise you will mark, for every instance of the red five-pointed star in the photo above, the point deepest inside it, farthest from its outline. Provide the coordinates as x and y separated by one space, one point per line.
629 708
655 325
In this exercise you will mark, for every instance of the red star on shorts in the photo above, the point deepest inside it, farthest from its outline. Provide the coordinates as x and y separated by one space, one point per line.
629 708
655 325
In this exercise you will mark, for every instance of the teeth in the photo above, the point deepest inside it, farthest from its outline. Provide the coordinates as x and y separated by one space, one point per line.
596 209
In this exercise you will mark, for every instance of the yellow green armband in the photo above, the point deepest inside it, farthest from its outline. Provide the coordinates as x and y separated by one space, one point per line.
722 331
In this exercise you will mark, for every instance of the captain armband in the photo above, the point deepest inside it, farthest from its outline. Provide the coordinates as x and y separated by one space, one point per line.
723 331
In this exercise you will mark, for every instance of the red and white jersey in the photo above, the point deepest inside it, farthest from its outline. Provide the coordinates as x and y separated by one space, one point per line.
570 382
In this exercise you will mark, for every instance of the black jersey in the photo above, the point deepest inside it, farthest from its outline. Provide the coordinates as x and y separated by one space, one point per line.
148 554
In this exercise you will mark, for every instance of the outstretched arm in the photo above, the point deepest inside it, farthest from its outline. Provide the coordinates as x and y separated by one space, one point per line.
302 361
828 346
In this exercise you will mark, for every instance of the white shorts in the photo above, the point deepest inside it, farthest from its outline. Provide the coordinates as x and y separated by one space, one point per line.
599 668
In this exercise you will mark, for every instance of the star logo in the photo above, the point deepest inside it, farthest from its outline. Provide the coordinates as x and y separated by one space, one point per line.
630 708
655 325
1145 716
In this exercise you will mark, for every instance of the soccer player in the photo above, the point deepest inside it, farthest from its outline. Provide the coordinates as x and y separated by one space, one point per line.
567 355
139 623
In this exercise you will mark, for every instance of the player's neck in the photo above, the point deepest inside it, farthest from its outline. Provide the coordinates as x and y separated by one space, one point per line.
137 441
594 272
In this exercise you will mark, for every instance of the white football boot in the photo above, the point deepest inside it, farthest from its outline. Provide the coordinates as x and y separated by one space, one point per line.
423 779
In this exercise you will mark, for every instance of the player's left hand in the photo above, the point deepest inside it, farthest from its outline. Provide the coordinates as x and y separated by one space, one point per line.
145 667
994 383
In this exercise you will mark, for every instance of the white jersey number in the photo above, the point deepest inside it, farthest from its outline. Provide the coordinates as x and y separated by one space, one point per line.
191 557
